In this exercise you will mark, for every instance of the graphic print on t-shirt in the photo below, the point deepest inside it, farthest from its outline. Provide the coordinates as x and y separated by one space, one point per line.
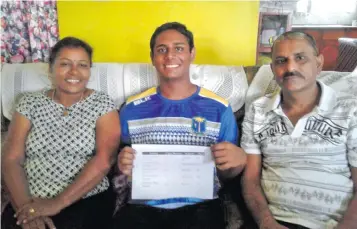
272 129
325 128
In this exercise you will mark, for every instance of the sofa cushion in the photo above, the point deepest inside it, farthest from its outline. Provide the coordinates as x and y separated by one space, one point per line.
229 82
20 78
120 81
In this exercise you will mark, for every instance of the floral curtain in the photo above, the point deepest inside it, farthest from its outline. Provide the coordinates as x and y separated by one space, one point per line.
28 30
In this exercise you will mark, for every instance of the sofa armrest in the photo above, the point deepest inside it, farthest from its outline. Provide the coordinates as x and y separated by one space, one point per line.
250 71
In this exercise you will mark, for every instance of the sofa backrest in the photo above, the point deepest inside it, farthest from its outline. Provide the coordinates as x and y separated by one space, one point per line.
122 80
264 83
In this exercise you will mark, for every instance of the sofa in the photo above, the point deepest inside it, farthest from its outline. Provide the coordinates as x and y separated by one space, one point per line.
240 86
120 81
123 80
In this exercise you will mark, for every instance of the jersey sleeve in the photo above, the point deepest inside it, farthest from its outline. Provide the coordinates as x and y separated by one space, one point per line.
229 129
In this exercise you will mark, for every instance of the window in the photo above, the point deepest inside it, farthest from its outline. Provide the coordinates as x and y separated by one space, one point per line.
322 12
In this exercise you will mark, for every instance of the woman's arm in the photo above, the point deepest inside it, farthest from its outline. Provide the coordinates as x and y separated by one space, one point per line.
13 160
107 143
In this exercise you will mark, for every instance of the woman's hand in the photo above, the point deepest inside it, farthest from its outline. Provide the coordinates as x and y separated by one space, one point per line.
39 223
37 208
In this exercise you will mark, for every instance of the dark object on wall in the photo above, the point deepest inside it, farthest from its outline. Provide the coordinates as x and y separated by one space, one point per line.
347 56
271 25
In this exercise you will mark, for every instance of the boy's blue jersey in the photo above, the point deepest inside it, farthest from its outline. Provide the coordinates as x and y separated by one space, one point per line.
202 119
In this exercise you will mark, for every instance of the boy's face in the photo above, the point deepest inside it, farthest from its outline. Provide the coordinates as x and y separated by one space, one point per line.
171 55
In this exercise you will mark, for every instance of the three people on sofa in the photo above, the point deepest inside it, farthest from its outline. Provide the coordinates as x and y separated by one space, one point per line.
301 144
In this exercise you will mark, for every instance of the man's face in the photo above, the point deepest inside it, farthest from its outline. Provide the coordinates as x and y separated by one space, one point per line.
171 55
295 64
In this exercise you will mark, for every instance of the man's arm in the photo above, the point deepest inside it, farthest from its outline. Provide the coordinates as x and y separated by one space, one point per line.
349 219
254 196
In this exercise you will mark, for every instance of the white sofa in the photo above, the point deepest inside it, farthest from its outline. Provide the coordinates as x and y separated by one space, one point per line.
123 80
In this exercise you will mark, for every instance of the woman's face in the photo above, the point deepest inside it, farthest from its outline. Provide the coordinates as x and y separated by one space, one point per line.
71 70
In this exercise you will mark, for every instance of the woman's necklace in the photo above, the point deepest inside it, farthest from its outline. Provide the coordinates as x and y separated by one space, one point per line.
66 110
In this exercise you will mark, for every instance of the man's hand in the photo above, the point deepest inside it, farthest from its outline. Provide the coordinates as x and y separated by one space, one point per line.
125 160
38 208
227 155
39 223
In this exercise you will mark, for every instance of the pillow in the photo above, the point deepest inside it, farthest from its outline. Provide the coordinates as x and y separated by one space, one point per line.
107 77
340 81
138 77
262 84
120 81
229 82
19 78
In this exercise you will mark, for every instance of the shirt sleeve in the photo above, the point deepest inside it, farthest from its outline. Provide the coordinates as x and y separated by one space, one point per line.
248 142
352 140
229 129
106 104
25 105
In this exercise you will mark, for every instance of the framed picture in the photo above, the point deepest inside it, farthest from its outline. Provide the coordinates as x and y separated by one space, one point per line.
271 25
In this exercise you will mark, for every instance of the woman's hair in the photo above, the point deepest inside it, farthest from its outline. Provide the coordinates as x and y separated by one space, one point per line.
69 42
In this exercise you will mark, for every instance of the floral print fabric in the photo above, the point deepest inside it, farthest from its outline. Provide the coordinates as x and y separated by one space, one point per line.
29 29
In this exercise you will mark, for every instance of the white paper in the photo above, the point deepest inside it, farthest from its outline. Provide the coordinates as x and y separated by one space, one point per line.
169 171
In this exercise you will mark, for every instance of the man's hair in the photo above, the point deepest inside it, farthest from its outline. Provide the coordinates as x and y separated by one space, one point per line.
69 42
181 28
294 35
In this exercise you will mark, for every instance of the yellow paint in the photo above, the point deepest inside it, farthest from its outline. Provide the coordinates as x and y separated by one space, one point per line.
119 31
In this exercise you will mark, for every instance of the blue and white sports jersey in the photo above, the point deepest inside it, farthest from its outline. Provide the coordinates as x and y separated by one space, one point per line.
202 119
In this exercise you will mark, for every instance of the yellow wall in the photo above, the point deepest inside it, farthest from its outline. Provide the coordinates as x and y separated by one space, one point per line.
119 31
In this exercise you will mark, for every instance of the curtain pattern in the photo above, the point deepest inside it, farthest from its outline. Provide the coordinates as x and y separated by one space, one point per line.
28 30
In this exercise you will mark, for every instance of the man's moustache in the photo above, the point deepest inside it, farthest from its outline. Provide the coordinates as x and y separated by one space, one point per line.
294 73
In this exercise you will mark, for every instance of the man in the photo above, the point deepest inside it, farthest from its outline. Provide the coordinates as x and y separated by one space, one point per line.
178 112
301 145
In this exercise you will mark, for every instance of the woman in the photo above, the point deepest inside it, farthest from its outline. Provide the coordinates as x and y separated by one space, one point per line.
60 147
